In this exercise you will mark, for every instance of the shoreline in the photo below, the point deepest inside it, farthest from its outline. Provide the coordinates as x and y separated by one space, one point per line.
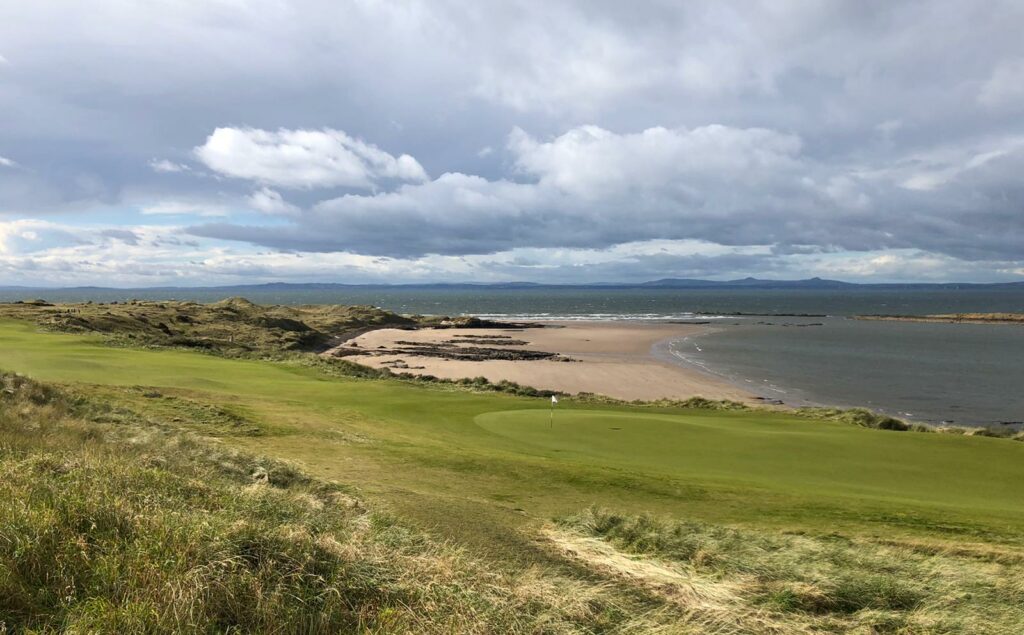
950 318
618 359
763 394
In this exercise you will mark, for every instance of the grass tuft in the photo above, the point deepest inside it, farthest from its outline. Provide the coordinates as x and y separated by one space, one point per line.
830 582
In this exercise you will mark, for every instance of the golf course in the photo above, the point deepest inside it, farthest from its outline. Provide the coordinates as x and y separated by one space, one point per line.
495 474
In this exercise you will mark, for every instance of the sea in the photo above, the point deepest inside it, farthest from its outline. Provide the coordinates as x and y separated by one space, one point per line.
799 346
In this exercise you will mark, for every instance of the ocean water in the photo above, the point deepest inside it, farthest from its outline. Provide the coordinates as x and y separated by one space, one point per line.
968 374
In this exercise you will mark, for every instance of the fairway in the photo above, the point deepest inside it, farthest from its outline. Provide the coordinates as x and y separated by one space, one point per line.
480 466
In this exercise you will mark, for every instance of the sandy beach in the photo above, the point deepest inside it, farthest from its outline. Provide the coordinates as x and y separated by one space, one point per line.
608 358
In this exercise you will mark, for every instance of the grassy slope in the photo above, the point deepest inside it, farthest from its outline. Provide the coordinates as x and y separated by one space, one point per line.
233 326
112 522
487 470
447 458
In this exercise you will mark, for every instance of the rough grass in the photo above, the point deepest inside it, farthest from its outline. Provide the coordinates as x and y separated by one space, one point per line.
857 416
110 522
831 582
865 418
121 527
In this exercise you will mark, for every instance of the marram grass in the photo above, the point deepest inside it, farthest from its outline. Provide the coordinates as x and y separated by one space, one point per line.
122 527
794 582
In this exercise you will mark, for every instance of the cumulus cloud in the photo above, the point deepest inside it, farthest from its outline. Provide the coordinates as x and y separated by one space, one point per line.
304 158
588 187
592 162
591 187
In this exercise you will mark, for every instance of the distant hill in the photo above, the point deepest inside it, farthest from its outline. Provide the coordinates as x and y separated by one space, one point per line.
664 283
747 283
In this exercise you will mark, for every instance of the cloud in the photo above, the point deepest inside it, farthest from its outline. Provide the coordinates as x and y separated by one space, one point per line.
769 127
269 201
184 208
1005 88
303 158
592 162
124 235
7 163
29 235
166 166
62 255
933 170
588 187
595 188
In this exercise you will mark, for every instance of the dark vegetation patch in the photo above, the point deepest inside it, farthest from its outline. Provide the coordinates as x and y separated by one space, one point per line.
233 327
486 339
865 418
861 417
953 318
446 350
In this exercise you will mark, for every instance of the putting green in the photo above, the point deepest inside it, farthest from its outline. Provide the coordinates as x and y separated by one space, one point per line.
780 452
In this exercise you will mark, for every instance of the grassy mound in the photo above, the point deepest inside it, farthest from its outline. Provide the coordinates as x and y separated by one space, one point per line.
232 326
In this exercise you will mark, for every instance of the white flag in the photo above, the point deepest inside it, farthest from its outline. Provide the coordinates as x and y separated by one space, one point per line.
554 400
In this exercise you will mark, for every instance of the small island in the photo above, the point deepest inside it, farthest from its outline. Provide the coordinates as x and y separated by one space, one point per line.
955 318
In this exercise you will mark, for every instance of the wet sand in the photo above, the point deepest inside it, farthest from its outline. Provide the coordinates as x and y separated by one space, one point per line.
615 359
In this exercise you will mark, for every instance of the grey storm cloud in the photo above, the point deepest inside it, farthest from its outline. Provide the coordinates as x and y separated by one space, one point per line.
405 129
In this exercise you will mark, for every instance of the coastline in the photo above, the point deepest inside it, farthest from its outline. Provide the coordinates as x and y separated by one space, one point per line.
950 318
619 359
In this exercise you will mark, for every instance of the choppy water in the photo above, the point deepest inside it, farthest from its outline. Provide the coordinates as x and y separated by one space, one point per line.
960 372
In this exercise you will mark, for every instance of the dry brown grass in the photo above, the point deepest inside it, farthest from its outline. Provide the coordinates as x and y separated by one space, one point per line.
734 581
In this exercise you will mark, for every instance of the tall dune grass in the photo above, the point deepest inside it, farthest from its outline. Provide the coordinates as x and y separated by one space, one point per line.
833 583
123 527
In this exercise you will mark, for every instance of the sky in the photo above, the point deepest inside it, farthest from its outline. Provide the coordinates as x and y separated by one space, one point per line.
209 142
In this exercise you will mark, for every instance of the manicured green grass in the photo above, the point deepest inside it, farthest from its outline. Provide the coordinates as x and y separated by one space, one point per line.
480 466
778 452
